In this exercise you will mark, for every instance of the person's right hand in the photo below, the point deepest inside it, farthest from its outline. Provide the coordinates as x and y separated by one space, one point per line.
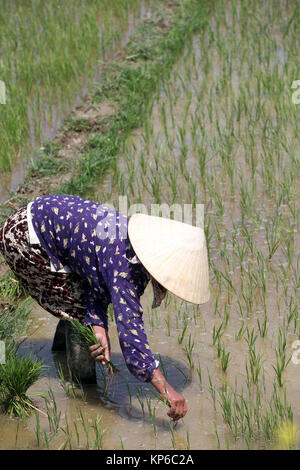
101 350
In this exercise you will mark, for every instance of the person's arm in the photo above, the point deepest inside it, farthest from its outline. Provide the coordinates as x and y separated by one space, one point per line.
178 408
135 347
96 309
133 341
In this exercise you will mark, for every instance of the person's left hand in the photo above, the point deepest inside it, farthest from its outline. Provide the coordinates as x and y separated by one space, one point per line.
101 350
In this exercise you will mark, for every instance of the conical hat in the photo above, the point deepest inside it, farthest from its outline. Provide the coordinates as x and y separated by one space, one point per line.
174 253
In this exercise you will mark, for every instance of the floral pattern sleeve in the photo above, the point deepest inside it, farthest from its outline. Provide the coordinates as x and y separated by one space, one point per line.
128 312
96 309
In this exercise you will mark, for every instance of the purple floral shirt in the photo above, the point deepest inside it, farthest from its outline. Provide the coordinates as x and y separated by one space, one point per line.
92 240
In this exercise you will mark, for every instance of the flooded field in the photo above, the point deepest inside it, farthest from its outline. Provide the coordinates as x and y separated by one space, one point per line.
42 101
224 132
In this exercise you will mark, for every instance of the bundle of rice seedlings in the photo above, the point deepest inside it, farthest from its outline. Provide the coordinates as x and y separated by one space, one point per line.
87 335
16 376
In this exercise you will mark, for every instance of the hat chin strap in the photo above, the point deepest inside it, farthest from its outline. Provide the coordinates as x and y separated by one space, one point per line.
159 293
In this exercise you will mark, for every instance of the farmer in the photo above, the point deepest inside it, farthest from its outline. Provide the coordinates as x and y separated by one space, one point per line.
75 257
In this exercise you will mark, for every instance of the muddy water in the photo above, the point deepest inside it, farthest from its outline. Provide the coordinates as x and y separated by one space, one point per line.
152 157
53 113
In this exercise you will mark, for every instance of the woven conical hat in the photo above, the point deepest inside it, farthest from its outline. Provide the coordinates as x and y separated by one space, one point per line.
174 253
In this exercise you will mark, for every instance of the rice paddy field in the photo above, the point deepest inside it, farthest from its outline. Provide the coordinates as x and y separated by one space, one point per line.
223 131
50 54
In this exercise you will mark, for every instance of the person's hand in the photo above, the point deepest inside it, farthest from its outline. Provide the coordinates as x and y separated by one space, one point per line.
101 350
178 408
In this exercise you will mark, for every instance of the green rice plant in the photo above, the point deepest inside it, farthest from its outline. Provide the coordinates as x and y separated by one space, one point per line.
281 360
122 443
98 433
38 429
181 336
251 338
225 358
153 420
168 323
10 288
199 372
17 375
76 432
212 390
14 319
241 332
66 431
140 396
171 428
253 366
188 349
53 415
85 428
87 335
218 332
273 237
69 386
29 66
263 327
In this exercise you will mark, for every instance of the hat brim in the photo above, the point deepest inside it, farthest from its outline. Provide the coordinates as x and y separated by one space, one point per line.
174 253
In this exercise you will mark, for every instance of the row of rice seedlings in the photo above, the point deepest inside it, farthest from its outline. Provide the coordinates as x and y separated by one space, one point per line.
202 153
34 79
248 417
59 425
68 384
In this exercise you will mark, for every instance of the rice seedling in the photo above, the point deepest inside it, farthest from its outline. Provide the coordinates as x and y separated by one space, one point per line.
14 319
182 335
240 334
85 428
218 332
24 68
188 349
199 372
253 366
10 288
225 358
281 360
171 427
17 375
98 433
262 327
69 385
87 335
140 397
53 415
